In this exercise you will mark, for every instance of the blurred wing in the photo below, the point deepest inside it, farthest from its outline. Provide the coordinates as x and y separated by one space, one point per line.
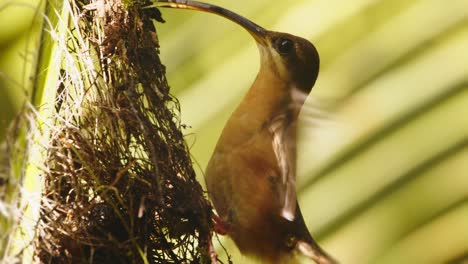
283 129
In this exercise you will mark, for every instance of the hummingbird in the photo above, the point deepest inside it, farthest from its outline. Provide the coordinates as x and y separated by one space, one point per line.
251 176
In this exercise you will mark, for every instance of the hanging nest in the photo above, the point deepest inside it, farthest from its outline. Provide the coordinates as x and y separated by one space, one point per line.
119 186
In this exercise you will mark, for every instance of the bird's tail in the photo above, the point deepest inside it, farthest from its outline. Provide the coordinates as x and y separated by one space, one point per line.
306 244
313 251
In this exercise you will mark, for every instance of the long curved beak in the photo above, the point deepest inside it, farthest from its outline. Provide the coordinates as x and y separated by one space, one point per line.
258 32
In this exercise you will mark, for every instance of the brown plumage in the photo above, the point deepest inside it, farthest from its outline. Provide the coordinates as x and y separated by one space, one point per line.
251 174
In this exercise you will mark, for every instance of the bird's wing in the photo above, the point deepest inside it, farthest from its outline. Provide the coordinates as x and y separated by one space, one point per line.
283 129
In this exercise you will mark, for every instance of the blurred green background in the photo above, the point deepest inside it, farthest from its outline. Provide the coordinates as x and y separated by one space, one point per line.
383 178
18 51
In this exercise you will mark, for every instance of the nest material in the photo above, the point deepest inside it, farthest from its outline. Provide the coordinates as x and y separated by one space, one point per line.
119 182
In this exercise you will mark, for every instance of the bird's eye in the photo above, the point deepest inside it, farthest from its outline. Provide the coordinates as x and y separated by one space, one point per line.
284 46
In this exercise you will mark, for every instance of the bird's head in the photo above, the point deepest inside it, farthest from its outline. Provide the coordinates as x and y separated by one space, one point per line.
293 59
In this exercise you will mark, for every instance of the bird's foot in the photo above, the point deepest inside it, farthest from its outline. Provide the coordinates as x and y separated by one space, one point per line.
219 225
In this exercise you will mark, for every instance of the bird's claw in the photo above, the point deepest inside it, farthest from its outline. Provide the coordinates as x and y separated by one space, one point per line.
219 225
